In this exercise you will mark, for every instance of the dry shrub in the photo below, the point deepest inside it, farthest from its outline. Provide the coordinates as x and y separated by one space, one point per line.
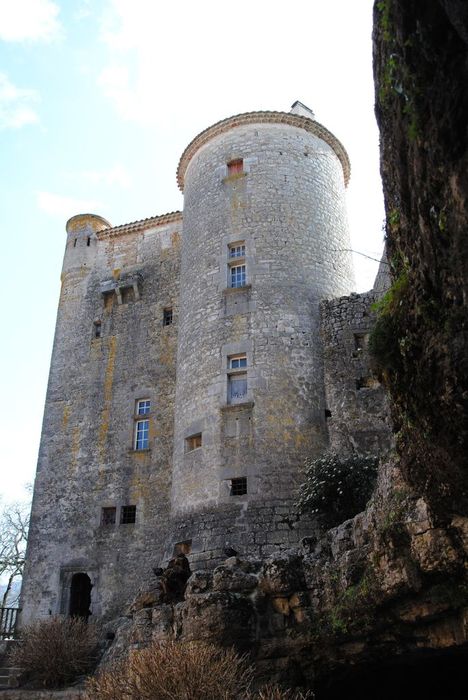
183 671
55 651
174 671
275 692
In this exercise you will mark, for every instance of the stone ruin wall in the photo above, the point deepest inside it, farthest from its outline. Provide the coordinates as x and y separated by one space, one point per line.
358 415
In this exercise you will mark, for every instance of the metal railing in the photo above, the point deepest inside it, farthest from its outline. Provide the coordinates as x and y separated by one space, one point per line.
8 617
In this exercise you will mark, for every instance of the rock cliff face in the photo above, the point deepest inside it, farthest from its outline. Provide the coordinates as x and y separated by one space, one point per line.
390 584
421 74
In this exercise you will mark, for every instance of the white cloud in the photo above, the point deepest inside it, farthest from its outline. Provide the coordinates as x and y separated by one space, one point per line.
83 11
117 175
115 83
33 20
64 207
16 105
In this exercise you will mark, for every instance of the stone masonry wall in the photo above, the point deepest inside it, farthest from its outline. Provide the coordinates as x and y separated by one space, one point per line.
287 207
358 415
87 459
251 529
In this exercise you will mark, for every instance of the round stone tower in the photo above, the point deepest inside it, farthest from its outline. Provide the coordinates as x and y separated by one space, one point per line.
265 239
81 243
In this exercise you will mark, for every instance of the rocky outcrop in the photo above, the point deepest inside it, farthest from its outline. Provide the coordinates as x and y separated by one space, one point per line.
386 583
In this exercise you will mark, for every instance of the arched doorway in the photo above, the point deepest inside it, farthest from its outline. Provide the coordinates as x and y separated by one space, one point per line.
80 596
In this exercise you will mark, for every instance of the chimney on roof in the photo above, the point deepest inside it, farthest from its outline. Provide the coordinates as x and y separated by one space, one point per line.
302 110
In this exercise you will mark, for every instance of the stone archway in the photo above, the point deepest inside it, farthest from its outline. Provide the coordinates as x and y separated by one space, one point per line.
80 596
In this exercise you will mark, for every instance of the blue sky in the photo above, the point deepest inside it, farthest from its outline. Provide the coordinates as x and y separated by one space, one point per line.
98 99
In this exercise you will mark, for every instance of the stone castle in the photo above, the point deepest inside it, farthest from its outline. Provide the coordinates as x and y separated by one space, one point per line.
199 359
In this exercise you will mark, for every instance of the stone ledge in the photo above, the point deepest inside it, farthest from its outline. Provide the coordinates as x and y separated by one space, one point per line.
237 290
233 178
237 407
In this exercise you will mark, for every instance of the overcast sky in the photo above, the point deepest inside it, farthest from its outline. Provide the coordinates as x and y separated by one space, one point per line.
98 99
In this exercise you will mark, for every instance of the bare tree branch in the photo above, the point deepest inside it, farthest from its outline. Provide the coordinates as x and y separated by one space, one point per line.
14 523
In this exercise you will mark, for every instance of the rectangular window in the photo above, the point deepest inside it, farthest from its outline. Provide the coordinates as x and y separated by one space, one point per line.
237 250
182 548
193 442
237 276
237 362
235 166
143 407
237 388
127 515
108 516
360 341
97 329
127 294
239 486
108 299
167 317
142 435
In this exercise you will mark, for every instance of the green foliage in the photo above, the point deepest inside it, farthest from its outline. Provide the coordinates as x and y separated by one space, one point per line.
389 80
413 123
396 78
393 511
442 221
55 651
384 8
394 297
354 608
383 344
386 345
393 219
337 488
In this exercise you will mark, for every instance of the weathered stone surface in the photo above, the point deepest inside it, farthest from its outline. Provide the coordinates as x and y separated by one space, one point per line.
146 599
422 112
174 579
282 574
222 617
162 620
358 409
281 605
87 459
433 551
228 578
199 582
348 600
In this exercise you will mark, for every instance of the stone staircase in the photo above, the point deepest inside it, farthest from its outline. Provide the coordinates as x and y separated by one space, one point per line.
9 675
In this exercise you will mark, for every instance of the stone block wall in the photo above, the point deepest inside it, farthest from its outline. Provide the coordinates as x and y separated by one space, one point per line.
287 207
357 410
119 282
251 529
